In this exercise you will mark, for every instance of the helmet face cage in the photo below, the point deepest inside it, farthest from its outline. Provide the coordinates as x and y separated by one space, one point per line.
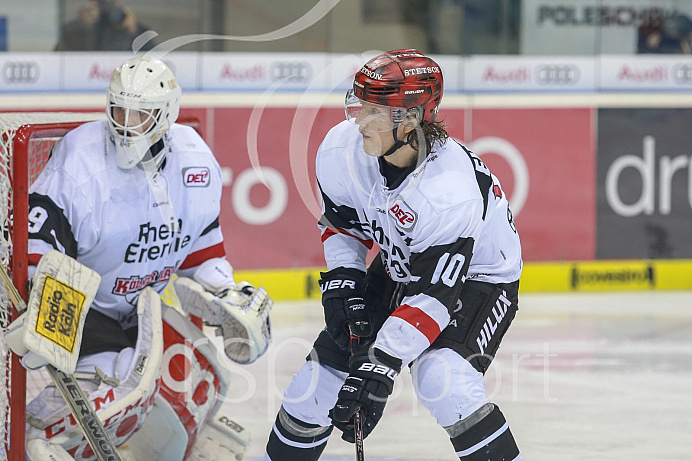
143 103
376 117
403 79
129 120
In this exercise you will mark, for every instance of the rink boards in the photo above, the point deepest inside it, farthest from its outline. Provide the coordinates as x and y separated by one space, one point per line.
577 276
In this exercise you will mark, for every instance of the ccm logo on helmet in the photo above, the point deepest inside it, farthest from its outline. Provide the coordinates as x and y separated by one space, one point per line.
196 176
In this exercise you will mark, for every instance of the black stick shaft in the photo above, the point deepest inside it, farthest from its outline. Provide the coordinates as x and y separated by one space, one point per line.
357 418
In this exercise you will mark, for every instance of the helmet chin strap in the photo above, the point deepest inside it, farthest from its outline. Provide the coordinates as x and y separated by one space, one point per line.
155 157
398 143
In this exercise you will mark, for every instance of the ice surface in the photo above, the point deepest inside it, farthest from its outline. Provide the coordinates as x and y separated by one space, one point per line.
604 376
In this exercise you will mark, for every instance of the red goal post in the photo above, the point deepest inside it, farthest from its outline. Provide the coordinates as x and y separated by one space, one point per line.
26 141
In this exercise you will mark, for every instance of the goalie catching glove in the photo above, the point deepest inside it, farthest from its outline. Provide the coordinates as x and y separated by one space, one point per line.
239 310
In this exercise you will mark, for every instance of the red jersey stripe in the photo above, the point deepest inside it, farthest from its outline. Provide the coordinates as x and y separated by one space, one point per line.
34 259
198 257
420 321
329 231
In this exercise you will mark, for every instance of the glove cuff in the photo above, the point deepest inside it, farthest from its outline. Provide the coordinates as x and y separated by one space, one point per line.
215 275
335 278
376 364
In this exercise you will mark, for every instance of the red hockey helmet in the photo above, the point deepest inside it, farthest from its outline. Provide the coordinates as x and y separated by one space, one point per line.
401 78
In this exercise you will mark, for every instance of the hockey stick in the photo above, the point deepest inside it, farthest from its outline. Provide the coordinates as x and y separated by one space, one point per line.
72 393
357 418
358 433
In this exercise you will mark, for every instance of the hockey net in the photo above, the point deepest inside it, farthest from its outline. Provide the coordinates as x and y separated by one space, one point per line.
26 140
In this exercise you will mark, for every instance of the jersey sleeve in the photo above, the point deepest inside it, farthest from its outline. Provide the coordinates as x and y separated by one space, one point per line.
60 216
345 242
439 265
209 244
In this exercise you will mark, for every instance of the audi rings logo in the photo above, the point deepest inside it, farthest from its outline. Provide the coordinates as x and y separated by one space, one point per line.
20 72
557 74
682 74
294 72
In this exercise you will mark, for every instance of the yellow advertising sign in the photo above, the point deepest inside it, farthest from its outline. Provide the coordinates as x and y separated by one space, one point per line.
59 312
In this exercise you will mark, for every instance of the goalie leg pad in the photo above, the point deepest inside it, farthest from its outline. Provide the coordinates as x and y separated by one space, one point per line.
192 379
162 437
221 438
41 450
123 405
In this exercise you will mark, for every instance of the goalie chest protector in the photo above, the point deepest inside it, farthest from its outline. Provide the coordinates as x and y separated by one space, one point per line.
135 229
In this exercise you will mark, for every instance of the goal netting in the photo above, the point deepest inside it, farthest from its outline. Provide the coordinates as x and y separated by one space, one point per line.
26 140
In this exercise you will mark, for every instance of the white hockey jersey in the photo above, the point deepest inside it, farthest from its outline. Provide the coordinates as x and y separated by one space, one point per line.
448 221
135 229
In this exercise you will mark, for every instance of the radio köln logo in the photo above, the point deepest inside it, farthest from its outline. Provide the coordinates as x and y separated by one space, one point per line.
405 217
196 176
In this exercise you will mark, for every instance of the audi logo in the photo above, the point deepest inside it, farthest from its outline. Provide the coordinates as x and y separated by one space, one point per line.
682 73
557 74
20 72
293 72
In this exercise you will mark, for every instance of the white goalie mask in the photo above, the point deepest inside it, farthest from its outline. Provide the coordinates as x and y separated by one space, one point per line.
143 103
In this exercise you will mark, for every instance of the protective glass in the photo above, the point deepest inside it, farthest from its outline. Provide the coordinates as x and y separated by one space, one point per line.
372 117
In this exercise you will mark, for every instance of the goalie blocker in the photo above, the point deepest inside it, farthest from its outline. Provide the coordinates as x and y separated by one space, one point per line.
50 331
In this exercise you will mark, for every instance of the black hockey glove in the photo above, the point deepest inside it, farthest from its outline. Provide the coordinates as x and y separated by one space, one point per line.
366 389
344 308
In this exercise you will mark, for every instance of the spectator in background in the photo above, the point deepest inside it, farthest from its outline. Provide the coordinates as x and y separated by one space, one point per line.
672 35
102 25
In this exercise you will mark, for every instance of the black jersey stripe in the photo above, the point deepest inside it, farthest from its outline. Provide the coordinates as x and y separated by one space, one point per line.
485 182
47 222
211 227
442 270
339 216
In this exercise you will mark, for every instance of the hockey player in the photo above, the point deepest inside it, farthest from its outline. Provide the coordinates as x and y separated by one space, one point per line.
441 293
136 197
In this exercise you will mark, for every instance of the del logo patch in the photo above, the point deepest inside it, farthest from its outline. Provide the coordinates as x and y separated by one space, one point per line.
403 214
59 312
196 176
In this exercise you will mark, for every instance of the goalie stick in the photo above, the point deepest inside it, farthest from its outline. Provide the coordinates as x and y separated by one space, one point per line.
71 392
